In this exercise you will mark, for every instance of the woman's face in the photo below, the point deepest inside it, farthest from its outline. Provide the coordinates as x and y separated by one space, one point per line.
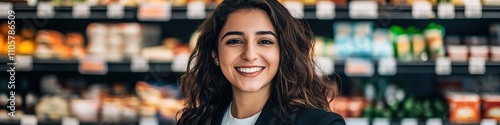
248 50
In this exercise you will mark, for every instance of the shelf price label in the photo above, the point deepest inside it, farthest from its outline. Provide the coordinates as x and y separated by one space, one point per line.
93 65
45 10
325 10
4 9
324 65
196 10
296 8
422 10
149 121
446 11
358 67
81 10
488 122
473 10
381 121
443 66
434 121
70 121
477 65
387 66
409 121
115 11
24 62
357 121
29 120
363 10
139 64
155 11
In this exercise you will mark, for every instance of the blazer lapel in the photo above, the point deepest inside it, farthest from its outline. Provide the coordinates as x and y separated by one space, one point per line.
267 116
219 115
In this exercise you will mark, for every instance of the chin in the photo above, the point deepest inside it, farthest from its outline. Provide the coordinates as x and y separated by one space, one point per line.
251 87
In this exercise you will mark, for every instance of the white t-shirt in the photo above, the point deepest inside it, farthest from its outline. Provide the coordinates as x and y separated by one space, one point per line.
228 118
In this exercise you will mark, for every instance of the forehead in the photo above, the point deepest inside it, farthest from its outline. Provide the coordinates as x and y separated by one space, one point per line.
248 20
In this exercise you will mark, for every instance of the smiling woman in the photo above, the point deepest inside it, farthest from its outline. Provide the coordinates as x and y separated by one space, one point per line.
252 65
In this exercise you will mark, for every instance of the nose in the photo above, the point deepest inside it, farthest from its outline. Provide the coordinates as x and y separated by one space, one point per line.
250 54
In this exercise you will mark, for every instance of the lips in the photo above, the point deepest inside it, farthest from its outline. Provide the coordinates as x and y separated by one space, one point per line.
250 71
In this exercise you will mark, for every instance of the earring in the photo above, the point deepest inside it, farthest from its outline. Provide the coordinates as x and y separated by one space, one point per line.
216 61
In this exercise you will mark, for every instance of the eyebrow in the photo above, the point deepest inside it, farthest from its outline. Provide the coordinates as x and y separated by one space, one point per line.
241 33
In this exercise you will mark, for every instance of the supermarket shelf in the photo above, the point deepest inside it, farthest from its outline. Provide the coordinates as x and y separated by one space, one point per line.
339 66
82 123
73 65
341 12
427 67
348 120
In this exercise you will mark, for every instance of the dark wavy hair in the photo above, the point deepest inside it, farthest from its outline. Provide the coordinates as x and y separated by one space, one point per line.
296 85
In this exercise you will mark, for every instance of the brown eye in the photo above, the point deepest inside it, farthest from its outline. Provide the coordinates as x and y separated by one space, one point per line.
265 41
234 41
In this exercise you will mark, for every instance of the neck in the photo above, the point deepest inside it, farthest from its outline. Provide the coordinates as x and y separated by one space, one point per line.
246 104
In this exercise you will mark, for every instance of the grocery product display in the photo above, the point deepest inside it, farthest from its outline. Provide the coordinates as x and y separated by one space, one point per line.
138 62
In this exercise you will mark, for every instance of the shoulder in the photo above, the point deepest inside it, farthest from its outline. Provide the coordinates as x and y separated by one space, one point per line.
319 117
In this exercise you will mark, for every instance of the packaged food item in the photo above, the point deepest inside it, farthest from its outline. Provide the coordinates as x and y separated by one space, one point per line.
340 105
478 46
491 2
456 51
309 2
3 102
362 39
163 53
85 110
149 96
26 47
76 43
97 34
324 46
491 106
3 44
52 108
49 44
114 44
169 107
458 2
356 105
434 35
111 110
132 39
130 111
464 108
181 3
495 53
495 43
404 48
340 2
419 48
382 46
343 39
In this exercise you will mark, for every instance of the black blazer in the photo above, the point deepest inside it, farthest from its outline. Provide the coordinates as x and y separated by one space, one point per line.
269 116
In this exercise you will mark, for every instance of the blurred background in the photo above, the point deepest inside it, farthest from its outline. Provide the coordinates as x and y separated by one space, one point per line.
402 62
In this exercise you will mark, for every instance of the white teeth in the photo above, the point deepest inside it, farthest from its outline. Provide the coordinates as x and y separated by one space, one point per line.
249 70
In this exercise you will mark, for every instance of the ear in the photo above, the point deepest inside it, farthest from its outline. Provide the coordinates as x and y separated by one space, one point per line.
214 55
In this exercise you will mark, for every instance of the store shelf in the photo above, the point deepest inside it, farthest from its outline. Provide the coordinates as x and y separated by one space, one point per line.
339 66
341 12
427 67
73 65
82 123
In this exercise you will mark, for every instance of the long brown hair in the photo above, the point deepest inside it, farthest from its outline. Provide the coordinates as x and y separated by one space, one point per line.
296 85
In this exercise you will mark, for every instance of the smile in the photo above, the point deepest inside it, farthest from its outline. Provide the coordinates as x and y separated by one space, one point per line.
249 69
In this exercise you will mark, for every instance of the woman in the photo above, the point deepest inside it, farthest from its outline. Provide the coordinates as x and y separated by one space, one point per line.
253 65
